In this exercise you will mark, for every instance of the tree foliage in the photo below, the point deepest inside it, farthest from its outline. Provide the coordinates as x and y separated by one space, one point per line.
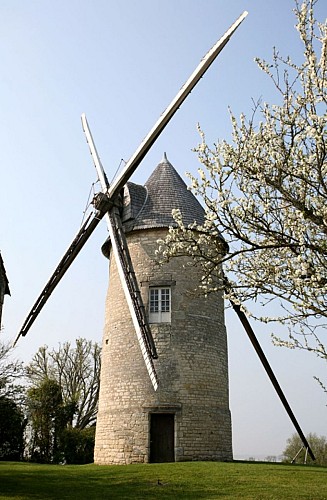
11 372
294 451
48 417
12 420
63 402
76 370
12 426
266 193
78 445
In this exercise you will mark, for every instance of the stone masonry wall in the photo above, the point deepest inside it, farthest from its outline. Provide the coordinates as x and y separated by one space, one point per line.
192 367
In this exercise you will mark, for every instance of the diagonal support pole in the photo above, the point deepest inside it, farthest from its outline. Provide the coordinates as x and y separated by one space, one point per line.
247 327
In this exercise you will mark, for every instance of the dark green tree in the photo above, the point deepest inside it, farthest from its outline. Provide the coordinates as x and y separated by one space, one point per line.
12 421
48 418
12 426
78 445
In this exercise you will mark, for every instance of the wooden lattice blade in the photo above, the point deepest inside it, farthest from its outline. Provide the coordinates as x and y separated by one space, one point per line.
125 268
70 255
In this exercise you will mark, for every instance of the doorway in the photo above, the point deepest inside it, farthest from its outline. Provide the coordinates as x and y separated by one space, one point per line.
162 430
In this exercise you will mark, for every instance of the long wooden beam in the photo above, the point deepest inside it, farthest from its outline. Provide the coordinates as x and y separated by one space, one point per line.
71 253
169 112
248 328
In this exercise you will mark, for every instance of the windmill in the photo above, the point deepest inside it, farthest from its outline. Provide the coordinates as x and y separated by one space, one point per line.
132 429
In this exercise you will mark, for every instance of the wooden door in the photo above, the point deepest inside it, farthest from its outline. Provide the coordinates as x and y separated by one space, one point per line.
162 437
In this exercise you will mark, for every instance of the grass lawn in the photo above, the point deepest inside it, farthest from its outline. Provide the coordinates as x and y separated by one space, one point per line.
191 481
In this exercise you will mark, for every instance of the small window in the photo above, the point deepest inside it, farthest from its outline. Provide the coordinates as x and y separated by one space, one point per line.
159 305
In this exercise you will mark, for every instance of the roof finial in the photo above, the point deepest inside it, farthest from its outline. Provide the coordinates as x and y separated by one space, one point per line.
165 159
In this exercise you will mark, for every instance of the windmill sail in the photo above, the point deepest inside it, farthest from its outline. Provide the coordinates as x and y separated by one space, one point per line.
169 112
113 191
133 295
125 268
70 255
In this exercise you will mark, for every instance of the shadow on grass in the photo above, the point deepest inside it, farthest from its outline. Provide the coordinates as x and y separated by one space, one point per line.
191 481
34 481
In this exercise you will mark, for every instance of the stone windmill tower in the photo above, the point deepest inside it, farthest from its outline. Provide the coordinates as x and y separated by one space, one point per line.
164 393
188 417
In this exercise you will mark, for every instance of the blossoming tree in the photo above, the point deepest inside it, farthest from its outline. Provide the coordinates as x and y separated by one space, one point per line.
266 193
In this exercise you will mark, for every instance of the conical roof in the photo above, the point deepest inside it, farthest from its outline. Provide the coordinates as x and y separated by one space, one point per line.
164 191
150 206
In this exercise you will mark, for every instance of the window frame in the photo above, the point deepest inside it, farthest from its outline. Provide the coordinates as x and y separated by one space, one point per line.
160 305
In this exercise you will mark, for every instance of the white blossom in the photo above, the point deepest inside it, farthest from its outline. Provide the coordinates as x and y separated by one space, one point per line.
266 194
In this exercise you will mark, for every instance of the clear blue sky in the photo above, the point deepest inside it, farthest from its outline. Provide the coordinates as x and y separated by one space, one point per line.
121 62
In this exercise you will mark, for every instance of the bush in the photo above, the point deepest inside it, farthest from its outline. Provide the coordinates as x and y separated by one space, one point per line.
78 445
12 425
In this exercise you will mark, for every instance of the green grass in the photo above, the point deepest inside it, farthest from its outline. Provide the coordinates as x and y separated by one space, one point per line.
191 481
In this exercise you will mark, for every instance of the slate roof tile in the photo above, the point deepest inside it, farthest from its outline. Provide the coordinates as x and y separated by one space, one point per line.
150 206
164 191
